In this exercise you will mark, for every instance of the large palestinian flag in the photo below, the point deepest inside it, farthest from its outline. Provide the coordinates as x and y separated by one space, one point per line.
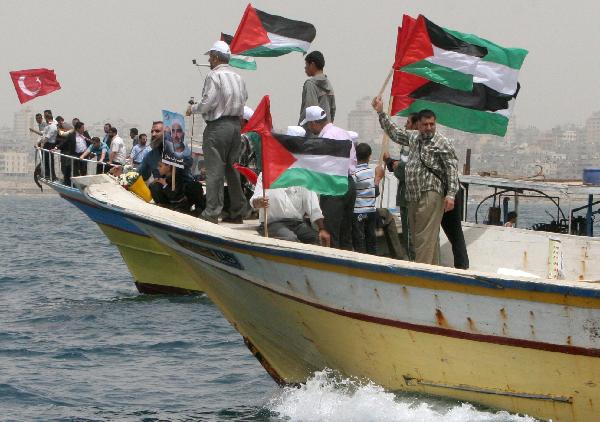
456 59
240 62
263 35
318 164
481 110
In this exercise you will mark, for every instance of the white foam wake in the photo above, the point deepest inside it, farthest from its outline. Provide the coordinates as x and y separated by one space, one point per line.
328 397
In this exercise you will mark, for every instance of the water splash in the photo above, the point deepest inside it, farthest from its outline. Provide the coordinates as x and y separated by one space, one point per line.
328 397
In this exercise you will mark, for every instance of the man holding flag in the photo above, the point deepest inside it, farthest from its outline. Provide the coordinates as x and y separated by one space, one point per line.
431 179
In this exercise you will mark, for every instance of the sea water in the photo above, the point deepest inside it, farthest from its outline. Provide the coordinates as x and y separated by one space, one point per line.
78 343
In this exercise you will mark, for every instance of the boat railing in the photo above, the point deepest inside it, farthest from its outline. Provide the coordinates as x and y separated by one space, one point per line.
47 162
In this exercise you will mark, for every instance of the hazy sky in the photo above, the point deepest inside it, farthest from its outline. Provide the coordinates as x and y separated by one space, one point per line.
130 59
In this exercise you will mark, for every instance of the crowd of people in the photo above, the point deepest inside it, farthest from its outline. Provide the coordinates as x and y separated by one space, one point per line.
428 189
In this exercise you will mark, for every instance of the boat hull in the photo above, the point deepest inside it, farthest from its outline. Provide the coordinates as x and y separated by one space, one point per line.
525 345
296 321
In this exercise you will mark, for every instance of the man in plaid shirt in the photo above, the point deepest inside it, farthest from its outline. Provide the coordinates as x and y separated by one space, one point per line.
431 179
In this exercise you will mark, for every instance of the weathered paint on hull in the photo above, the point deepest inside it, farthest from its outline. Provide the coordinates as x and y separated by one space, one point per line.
296 338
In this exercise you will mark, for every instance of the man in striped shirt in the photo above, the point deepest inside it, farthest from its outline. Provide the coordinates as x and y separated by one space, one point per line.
364 221
431 176
222 107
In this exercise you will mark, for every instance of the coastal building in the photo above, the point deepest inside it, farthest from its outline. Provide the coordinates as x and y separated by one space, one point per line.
15 163
592 129
23 121
363 120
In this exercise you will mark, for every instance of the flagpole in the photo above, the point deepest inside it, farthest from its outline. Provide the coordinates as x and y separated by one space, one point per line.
385 83
262 153
384 147
266 209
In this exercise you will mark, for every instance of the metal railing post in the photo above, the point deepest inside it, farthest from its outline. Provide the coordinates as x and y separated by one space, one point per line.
43 163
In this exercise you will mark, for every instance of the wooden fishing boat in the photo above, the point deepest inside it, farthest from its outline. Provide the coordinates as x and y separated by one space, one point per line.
518 331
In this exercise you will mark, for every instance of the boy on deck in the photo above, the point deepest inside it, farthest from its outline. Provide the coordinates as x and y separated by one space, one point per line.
364 222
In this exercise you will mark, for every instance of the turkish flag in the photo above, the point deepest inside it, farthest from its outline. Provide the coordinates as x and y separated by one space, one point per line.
32 83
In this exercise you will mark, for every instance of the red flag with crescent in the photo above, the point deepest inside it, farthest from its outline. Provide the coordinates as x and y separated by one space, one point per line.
32 83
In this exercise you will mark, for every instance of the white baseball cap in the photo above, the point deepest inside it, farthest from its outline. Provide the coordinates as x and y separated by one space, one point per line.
313 114
220 46
248 112
295 131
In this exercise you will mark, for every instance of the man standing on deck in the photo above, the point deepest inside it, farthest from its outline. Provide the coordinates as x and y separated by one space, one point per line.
338 210
222 107
107 137
133 134
48 143
317 90
431 179
118 152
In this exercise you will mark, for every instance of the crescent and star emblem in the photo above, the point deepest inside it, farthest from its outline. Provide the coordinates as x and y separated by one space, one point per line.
26 90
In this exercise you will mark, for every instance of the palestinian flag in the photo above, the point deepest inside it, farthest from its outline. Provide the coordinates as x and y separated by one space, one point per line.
320 165
481 110
456 59
263 35
240 62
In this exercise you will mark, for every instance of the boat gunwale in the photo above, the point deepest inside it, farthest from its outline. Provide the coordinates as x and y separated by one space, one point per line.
274 247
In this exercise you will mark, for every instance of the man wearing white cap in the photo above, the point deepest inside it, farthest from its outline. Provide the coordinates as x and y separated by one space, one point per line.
338 210
222 107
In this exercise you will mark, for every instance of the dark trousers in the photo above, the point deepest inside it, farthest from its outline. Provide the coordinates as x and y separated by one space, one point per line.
363 232
80 168
195 196
191 194
221 146
49 172
338 212
452 226
102 167
292 230
67 168
406 240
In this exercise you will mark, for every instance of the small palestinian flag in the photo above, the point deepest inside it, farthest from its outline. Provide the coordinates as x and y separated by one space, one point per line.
456 59
240 62
263 35
320 165
481 110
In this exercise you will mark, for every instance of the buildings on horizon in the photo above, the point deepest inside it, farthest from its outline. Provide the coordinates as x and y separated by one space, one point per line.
562 151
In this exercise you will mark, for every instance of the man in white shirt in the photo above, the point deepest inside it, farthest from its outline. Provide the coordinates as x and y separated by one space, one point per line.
81 146
338 210
222 107
118 152
287 208
48 143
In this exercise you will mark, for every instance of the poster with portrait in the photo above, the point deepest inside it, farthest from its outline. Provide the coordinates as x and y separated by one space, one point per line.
175 147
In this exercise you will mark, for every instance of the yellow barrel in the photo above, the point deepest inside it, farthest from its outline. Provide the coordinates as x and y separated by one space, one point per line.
140 189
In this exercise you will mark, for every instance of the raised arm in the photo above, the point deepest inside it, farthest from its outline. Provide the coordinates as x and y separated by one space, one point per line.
396 133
